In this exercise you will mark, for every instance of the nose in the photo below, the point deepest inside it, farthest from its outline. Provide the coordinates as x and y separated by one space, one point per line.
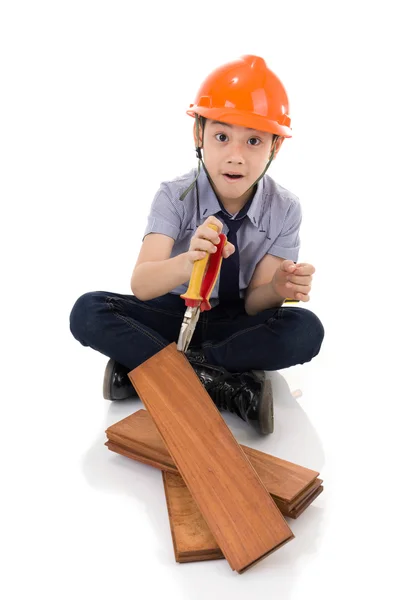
235 154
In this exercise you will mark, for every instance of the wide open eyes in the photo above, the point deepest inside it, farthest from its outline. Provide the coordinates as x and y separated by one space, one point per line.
218 137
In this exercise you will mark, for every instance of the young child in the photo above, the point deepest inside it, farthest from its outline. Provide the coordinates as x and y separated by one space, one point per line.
241 119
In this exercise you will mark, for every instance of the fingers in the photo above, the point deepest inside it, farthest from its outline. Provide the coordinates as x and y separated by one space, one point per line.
306 289
288 266
207 239
205 232
195 255
198 243
302 297
214 221
304 269
299 279
298 269
228 250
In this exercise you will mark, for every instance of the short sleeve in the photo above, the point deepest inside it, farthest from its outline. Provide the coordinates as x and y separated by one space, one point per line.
164 216
287 244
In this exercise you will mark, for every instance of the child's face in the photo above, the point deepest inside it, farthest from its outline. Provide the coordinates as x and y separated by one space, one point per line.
232 148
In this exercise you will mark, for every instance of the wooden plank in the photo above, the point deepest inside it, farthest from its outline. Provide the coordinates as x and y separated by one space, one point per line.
191 537
287 509
309 491
300 508
284 480
163 462
239 511
124 451
185 517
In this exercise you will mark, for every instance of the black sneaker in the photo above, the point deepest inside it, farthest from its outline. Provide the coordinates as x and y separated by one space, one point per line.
116 383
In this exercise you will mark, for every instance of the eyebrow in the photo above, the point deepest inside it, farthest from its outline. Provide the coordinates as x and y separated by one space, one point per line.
229 125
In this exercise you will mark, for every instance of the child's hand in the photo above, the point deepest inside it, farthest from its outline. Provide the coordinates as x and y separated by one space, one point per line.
205 240
293 281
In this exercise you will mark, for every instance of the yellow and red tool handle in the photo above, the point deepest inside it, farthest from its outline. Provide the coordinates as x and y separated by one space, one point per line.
204 276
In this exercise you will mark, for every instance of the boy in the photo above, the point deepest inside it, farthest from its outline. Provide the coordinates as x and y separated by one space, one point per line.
241 119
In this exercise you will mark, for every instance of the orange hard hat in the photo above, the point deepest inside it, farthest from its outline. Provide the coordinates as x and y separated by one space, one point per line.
245 92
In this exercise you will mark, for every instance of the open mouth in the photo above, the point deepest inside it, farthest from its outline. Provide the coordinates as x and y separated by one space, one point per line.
232 176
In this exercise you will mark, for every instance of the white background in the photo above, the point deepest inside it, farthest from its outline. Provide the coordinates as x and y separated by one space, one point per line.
93 100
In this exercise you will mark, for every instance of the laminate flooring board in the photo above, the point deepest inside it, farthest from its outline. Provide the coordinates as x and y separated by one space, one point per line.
162 462
191 537
129 454
139 428
284 480
299 509
239 511
288 510
306 493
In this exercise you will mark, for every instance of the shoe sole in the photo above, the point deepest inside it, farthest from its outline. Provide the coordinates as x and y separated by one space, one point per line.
266 415
107 379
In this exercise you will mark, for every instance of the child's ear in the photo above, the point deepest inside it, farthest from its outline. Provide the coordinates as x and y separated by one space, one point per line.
278 146
200 144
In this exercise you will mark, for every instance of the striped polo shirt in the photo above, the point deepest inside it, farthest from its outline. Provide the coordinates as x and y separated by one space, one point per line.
271 225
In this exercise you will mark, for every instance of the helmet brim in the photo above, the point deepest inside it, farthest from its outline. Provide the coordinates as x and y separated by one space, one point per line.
243 119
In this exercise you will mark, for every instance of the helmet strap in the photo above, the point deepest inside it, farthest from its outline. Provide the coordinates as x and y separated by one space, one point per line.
200 159
268 163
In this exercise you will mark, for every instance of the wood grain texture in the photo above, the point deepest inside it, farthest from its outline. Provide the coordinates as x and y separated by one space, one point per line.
239 511
284 480
291 510
186 520
191 537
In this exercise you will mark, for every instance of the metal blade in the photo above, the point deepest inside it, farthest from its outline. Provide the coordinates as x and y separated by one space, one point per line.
189 323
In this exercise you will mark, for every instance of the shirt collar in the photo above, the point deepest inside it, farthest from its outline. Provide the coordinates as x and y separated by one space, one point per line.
209 205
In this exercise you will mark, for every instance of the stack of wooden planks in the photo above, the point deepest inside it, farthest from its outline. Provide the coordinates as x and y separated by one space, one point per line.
224 500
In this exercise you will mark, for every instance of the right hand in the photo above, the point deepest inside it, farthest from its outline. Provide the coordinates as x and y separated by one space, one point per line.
279 280
205 240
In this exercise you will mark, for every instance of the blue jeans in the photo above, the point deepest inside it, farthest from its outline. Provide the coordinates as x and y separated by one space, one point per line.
130 331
